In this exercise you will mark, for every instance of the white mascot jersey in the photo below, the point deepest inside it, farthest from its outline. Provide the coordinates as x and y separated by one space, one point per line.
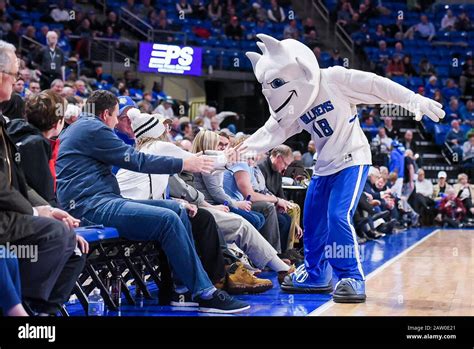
301 96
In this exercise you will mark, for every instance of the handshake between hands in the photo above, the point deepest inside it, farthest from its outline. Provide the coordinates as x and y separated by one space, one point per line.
213 160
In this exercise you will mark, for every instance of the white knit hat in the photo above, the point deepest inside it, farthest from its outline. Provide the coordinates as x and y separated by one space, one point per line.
145 125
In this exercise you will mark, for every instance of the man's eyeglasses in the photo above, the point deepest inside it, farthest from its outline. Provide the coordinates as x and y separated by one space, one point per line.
16 75
284 161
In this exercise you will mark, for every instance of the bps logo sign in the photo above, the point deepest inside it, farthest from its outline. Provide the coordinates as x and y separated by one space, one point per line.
160 58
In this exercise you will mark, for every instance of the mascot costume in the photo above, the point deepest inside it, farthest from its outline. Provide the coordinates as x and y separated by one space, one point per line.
301 96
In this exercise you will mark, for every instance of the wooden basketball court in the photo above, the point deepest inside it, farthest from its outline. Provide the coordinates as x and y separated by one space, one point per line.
433 277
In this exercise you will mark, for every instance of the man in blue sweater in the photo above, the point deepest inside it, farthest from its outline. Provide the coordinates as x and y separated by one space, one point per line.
87 188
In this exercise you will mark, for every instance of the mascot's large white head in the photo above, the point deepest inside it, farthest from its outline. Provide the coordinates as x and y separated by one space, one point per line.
289 74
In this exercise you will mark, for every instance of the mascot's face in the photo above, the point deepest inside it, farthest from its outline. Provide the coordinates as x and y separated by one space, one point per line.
289 74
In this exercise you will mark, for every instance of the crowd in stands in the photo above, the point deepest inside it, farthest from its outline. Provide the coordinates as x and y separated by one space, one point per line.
431 55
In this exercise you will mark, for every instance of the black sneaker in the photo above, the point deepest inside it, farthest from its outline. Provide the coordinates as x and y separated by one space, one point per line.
183 301
221 303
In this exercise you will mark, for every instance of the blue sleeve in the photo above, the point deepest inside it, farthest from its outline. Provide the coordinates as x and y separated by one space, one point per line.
240 166
105 146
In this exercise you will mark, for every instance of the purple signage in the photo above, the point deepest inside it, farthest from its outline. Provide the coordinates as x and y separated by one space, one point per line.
172 59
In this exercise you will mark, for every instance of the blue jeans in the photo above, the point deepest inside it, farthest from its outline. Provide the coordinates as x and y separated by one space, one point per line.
10 291
284 222
255 218
157 220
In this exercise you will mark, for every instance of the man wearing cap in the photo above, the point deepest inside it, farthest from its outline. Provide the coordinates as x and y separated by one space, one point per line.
123 129
87 188
165 108
440 188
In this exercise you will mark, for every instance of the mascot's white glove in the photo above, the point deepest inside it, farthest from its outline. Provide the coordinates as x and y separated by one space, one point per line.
420 106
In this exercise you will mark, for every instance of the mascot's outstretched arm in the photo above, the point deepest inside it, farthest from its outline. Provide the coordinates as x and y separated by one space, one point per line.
367 88
270 135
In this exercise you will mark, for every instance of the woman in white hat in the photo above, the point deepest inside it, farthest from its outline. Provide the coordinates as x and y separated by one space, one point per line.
440 188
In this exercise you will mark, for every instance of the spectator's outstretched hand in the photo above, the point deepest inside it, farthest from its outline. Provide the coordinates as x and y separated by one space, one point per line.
198 163
420 106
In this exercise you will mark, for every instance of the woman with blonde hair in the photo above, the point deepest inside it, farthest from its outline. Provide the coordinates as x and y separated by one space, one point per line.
212 185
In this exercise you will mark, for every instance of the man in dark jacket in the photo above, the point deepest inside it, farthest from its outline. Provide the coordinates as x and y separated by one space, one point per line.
50 272
32 139
274 166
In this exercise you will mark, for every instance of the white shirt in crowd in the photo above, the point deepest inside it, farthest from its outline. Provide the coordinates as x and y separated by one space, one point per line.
385 142
135 185
163 111
397 187
424 187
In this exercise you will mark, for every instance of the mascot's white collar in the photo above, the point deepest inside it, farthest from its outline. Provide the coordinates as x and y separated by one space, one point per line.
290 77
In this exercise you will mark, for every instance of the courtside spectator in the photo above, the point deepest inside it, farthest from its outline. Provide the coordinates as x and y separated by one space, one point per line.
439 189
421 200
452 209
465 192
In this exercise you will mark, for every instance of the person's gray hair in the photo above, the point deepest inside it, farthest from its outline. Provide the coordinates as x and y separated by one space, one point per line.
51 32
283 150
5 48
57 81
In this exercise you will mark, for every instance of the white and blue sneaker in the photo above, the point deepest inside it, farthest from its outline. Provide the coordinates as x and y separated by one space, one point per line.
299 282
349 290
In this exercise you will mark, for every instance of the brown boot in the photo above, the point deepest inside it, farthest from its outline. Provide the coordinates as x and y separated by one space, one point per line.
240 280
282 274
220 285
